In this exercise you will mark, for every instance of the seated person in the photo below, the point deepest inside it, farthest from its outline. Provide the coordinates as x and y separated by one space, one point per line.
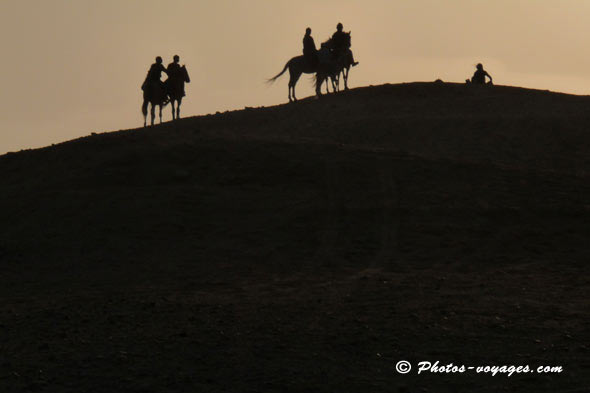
479 77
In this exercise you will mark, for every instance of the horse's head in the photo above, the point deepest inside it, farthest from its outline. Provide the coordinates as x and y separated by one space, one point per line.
347 40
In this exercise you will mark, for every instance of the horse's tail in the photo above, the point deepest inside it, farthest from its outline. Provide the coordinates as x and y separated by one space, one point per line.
144 107
271 80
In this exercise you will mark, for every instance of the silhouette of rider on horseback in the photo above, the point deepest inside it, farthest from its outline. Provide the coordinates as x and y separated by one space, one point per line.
154 75
309 50
175 76
339 44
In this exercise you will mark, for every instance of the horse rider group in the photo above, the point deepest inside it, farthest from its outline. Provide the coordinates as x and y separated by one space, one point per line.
174 70
338 48
154 75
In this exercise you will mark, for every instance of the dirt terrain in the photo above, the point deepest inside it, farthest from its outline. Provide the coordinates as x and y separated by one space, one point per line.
305 247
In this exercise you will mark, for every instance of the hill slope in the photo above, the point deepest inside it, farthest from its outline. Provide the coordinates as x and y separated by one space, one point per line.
304 246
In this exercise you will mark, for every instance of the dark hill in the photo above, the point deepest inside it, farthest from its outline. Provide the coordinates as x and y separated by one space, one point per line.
305 247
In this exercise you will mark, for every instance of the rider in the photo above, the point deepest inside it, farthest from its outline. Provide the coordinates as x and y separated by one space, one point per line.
174 72
309 50
154 76
174 68
479 77
340 45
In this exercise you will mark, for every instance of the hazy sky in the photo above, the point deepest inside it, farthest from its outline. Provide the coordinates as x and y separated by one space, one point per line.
72 67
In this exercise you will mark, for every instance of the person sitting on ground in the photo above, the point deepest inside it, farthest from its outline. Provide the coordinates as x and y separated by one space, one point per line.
339 44
479 77
309 50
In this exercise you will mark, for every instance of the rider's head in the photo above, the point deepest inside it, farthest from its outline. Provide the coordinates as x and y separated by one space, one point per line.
479 66
339 27
176 58
159 60
308 31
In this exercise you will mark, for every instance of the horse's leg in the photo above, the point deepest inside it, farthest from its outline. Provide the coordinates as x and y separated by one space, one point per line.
294 76
293 82
178 108
345 74
345 77
291 86
160 106
173 112
153 113
144 112
319 82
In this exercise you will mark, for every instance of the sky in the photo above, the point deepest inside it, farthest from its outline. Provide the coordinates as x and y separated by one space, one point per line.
73 67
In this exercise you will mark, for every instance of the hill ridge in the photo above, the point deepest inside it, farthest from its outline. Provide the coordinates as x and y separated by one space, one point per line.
509 126
219 252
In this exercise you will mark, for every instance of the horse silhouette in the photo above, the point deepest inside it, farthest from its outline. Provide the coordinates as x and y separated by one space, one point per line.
175 90
297 65
331 67
328 66
344 70
154 94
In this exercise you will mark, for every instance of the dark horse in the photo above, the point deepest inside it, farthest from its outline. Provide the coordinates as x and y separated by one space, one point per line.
154 94
333 67
299 65
175 90
344 71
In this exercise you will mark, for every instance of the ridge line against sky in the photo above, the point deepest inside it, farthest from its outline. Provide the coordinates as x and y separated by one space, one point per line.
75 67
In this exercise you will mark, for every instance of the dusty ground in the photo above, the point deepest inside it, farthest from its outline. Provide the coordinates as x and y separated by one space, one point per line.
305 247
